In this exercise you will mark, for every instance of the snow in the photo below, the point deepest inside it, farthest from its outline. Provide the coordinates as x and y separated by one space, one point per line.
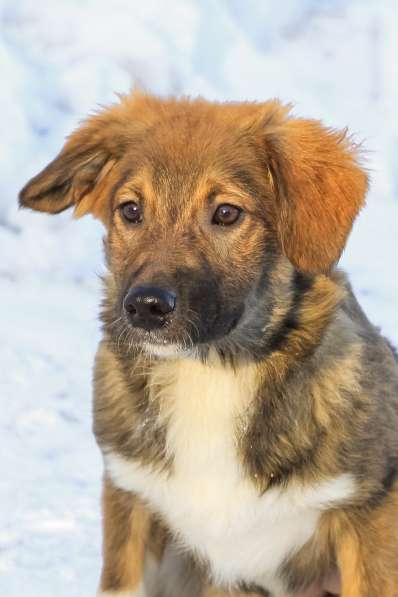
336 60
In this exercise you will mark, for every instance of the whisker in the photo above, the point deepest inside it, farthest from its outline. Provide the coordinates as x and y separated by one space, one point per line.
115 322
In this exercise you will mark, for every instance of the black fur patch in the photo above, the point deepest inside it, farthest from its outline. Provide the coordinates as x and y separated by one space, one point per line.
245 588
387 483
301 284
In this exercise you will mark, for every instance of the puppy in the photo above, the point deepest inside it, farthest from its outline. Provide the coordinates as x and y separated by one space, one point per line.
246 409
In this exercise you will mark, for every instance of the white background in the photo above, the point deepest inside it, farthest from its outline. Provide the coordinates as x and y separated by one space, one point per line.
336 60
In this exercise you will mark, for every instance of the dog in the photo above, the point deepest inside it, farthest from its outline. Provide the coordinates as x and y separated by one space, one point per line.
245 408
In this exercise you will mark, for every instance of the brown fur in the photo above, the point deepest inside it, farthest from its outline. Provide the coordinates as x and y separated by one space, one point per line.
126 528
305 161
367 550
327 397
310 163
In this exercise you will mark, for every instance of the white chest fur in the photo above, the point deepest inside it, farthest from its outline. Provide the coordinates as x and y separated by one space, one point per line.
207 500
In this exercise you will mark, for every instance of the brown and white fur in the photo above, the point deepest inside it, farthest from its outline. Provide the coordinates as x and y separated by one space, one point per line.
249 424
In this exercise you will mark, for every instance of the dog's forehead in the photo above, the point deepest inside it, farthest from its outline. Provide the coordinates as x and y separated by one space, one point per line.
186 144
185 155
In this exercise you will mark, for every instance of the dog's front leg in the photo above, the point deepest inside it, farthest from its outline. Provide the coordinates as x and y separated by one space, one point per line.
126 526
368 556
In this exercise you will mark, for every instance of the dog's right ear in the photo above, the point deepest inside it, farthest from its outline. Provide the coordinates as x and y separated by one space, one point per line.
72 178
80 175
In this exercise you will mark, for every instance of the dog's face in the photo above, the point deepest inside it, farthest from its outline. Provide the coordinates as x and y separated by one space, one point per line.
200 202
188 238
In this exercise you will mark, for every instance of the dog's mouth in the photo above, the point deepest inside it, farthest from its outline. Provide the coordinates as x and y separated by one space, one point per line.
171 339
178 336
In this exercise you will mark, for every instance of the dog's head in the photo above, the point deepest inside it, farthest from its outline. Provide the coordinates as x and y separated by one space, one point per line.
200 200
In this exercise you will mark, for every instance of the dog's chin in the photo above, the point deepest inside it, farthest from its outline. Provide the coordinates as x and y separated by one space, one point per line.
157 343
170 343
167 350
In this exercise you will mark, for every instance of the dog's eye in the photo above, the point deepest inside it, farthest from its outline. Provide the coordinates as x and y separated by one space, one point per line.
131 212
226 214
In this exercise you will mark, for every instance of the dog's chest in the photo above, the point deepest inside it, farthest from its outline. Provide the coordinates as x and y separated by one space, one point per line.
206 498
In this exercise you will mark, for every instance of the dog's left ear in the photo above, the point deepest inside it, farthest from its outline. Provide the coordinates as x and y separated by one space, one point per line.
319 188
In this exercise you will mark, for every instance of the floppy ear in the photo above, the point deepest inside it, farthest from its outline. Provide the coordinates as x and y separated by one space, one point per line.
79 175
319 186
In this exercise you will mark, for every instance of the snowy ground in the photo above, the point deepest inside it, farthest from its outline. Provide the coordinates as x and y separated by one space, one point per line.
335 59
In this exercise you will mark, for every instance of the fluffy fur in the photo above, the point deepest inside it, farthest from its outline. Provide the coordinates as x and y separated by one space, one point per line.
250 443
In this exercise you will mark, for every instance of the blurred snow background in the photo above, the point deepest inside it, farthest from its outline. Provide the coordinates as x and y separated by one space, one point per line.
335 59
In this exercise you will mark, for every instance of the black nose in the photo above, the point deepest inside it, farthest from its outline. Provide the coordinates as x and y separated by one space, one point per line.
148 306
